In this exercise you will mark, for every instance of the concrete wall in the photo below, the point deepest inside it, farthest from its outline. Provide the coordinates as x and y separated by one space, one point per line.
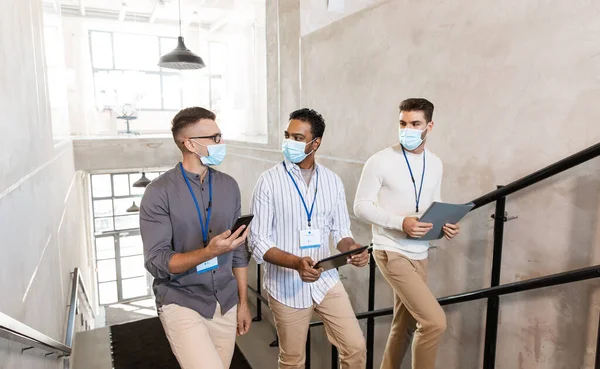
43 234
516 88
120 153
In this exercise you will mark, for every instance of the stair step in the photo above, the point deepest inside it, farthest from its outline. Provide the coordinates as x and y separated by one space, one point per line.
91 350
143 344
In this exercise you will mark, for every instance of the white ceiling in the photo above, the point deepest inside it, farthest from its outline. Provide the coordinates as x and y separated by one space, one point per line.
202 11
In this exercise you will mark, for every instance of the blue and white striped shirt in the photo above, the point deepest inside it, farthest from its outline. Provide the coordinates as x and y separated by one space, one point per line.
279 216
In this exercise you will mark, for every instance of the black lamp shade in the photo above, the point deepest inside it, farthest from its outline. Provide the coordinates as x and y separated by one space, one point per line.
133 208
181 58
142 182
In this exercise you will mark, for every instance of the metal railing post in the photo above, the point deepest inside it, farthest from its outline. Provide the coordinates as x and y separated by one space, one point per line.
307 360
598 346
493 303
73 301
371 307
334 357
258 316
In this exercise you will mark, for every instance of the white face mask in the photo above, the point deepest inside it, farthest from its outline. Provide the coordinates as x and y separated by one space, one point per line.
294 150
216 154
411 138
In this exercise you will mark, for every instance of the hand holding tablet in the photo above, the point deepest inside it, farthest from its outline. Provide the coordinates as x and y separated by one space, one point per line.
338 260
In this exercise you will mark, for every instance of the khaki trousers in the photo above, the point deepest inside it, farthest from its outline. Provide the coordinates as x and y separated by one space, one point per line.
341 327
415 309
197 342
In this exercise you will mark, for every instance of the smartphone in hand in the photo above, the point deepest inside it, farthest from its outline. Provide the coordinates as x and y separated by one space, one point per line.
243 220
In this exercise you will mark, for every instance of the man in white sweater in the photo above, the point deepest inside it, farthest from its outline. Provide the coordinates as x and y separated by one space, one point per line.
396 186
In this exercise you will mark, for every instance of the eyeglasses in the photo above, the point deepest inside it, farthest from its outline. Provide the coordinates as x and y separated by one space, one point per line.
216 138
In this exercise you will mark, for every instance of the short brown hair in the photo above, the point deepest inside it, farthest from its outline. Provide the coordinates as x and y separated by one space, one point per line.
418 104
188 116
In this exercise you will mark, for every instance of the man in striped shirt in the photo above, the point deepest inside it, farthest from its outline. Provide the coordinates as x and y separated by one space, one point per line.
298 206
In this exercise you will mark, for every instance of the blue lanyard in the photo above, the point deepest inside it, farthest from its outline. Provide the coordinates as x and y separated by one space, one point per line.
417 197
204 227
308 213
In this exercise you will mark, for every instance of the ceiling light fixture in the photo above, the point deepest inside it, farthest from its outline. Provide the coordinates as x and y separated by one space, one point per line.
142 182
133 208
181 57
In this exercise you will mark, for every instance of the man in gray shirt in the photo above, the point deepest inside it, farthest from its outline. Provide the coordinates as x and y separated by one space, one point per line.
200 267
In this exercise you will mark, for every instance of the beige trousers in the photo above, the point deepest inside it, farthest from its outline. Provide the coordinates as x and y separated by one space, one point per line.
415 309
340 323
197 342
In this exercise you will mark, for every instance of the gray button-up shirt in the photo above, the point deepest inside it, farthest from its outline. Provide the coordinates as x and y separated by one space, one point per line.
169 224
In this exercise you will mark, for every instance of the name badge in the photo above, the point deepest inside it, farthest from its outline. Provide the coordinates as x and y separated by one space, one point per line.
208 265
310 238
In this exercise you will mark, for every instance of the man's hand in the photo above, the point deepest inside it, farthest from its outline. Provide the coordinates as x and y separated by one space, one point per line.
243 318
227 241
359 260
304 267
414 228
451 230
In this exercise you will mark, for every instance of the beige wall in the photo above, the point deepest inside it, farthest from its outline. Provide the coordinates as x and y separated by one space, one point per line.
42 231
516 88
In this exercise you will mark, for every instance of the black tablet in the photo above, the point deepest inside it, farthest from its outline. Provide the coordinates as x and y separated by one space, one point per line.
338 260
439 214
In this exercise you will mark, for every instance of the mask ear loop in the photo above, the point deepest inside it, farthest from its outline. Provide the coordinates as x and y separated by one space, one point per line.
425 130
310 153
200 156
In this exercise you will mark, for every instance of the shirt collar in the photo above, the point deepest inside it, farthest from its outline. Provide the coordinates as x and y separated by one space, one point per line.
192 176
410 154
294 168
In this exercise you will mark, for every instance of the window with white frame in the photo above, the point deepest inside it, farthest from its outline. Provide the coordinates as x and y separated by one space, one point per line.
233 84
120 267
125 72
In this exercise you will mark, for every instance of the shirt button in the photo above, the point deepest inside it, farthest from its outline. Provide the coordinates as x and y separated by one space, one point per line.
214 271
197 176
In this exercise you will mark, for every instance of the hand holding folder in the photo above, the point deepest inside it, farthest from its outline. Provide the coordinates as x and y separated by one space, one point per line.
436 217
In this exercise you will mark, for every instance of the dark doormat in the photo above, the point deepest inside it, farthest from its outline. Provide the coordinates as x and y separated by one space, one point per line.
143 345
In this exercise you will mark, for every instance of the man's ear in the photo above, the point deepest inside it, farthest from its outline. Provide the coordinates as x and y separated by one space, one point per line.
431 124
317 142
188 145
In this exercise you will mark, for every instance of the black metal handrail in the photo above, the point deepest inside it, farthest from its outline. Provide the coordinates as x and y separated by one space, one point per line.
258 296
557 279
547 172
16 331
505 289
495 290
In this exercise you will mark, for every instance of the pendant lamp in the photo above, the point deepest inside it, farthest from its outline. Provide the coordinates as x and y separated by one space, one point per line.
181 57
142 182
133 208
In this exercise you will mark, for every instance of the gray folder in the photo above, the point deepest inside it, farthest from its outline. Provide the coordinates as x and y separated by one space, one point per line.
439 214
